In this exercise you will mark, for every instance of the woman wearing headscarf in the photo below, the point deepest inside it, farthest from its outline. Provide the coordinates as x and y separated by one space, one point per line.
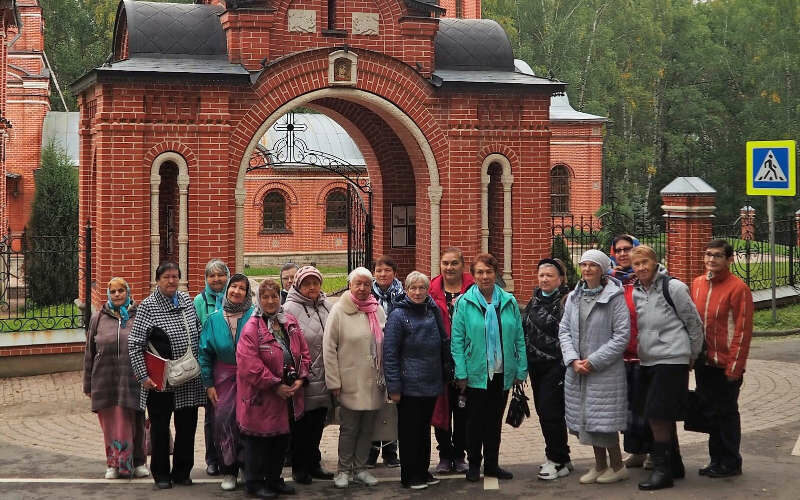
108 380
167 320
488 348
412 361
593 333
540 321
271 370
307 303
206 303
670 339
353 353
218 340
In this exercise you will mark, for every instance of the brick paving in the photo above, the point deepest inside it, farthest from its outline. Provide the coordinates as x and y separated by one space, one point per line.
50 413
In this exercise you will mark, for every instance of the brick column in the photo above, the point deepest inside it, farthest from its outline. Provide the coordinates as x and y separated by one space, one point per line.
748 218
689 211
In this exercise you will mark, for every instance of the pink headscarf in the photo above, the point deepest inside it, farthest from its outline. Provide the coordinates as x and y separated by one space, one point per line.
370 308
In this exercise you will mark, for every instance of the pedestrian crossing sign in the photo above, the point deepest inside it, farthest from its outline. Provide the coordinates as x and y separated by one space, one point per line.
771 168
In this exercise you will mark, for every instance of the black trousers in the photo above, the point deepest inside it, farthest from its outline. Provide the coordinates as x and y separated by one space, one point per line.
547 379
414 432
453 442
263 460
306 435
208 431
386 448
160 407
726 433
485 408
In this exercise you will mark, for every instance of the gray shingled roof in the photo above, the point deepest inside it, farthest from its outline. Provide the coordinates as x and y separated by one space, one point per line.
172 28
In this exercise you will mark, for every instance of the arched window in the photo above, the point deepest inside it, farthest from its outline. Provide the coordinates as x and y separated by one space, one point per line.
559 189
274 212
336 211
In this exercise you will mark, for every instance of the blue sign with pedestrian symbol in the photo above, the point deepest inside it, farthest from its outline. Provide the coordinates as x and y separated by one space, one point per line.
771 168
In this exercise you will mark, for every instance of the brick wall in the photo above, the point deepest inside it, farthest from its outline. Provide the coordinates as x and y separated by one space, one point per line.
579 146
470 9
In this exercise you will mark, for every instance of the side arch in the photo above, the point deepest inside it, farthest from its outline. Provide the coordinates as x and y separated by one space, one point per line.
508 181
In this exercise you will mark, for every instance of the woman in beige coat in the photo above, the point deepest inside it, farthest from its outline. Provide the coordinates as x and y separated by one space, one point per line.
352 349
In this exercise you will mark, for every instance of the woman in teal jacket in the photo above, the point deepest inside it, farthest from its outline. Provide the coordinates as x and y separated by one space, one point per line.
488 347
217 358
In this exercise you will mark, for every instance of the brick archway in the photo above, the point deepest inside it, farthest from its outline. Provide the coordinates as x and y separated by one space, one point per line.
385 108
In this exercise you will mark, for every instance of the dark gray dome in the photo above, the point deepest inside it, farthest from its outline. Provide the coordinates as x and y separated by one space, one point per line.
172 28
472 45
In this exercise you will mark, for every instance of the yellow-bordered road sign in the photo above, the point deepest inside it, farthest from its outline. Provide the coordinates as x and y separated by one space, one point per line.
771 168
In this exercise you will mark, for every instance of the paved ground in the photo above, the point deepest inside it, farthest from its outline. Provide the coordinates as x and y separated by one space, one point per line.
51 447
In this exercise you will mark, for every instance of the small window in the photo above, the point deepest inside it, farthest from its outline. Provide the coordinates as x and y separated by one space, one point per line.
559 190
404 226
274 212
460 9
336 211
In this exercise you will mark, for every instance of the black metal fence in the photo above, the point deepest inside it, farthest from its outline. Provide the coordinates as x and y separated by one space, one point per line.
571 236
749 237
39 281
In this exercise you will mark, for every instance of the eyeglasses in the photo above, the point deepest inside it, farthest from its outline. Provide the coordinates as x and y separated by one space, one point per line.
623 250
712 255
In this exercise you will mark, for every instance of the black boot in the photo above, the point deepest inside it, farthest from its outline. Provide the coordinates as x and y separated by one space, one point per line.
661 477
676 462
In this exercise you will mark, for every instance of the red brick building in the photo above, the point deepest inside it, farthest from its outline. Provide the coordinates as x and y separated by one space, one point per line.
9 21
27 92
448 129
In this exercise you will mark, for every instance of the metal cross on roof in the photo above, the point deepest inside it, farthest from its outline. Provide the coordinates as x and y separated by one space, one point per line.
290 127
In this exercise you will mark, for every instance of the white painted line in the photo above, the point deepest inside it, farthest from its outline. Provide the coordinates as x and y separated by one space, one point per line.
79 480
796 449
491 483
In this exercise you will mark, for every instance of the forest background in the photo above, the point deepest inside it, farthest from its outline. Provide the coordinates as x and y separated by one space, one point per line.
684 83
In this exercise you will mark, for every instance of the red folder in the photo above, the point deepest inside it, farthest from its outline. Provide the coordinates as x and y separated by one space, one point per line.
156 369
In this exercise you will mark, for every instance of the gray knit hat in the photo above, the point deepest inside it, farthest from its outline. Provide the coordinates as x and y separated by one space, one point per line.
598 258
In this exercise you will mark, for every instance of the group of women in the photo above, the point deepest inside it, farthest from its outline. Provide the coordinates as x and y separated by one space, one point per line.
442 353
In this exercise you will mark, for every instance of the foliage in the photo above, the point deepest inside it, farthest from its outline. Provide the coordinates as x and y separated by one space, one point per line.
788 318
685 83
52 273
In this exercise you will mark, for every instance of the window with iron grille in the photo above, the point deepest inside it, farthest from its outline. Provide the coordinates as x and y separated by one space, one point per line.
404 226
459 9
559 189
336 211
274 213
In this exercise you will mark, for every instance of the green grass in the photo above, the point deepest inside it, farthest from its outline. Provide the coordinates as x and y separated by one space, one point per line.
40 318
334 284
757 246
760 274
788 318
275 271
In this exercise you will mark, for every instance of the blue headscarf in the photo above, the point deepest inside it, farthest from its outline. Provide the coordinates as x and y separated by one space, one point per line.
494 352
123 309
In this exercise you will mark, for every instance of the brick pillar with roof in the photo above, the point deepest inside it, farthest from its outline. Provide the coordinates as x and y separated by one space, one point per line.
688 204
747 215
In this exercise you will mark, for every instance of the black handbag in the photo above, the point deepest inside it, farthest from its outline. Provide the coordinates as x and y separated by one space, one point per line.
518 408
699 414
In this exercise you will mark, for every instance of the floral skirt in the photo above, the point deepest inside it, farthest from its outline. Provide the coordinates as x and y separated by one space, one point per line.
123 433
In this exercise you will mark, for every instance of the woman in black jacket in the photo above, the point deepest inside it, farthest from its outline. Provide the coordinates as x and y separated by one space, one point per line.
540 321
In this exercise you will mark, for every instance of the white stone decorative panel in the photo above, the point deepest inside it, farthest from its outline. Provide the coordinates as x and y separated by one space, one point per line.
302 21
365 23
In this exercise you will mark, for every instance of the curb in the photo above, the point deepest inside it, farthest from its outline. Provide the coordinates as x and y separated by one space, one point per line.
775 333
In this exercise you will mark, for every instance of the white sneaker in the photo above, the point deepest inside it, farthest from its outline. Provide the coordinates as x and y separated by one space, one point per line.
553 470
342 480
228 483
611 476
365 478
591 476
112 473
141 471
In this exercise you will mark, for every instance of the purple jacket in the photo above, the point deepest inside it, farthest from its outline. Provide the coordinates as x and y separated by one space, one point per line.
259 371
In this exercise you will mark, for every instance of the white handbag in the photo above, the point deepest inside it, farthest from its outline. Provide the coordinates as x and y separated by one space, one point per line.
185 368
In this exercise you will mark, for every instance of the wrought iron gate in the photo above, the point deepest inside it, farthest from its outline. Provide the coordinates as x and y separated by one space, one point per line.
292 150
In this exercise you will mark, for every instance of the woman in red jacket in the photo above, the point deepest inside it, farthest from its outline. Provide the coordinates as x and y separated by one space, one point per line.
272 363
445 289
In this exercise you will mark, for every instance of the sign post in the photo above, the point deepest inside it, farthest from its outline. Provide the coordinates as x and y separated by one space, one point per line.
771 171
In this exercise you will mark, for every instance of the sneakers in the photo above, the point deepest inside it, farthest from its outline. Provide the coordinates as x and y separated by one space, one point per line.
391 462
228 483
474 473
365 478
611 476
552 470
591 476
342 480
444 467
112 473
635 460
418 485
431 479
460 466
141 471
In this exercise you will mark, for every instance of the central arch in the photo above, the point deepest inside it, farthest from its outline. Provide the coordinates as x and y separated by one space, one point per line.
383 108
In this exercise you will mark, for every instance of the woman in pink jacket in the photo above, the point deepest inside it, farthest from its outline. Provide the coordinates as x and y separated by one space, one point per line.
272 363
